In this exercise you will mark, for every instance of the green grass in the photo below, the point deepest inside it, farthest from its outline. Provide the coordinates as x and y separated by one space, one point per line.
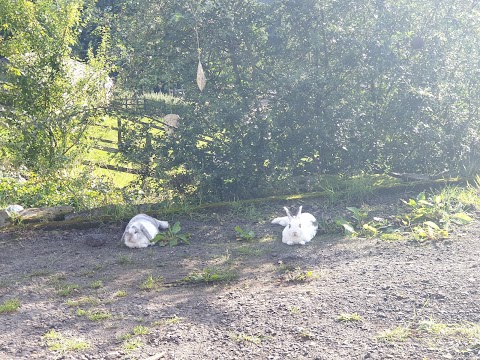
150 283
169 321
211 275
82 302
346 317
397 334
67 289
248 250
9 306
294 274
60 343
132 344
120 293
244 338
141 330
124 260
94 315
97 284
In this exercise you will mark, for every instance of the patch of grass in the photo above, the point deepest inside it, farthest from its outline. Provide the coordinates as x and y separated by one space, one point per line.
97 284
397 334
82 302
467 331
124 260
293 309
58 342
246 211
242 234
346 317
211 275
292 274
150 283
306 334
249 251
67 289
244 338
94 315
131 344
9 306
395 236
57 278
141 330
120 293
170 321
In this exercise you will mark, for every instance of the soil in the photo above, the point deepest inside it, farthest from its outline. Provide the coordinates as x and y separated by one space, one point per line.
278 301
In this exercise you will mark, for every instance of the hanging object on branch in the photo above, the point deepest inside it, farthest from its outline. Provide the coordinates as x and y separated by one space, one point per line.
201 80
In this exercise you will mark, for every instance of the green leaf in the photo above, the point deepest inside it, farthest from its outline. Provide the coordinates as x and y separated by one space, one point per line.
175 228
432 225
461 218
349 229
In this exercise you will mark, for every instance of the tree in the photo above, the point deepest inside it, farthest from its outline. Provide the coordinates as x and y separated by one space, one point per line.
48 96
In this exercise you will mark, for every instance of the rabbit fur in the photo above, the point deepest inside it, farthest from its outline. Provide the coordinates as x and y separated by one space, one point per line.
299 229
141 230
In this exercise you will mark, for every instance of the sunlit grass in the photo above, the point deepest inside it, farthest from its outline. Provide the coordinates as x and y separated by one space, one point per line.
9 306
60 343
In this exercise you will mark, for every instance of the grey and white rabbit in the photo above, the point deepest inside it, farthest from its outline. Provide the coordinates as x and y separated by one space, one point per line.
141 230
299 229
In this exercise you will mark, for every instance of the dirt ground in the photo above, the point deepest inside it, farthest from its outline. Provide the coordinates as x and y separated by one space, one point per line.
335 298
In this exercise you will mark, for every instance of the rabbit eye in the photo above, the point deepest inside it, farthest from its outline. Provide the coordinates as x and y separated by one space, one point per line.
289 226
299 225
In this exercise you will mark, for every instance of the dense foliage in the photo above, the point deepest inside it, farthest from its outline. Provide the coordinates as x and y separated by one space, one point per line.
294 87
48 97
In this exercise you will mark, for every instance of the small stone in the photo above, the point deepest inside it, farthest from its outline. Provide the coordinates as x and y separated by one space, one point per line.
95 240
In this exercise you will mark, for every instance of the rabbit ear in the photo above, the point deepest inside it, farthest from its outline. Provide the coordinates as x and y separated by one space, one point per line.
288 212
299 211
145 232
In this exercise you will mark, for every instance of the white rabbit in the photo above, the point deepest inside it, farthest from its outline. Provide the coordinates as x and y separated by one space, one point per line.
141 230
299 229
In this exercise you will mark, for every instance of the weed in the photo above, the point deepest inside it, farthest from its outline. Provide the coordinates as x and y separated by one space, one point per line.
9 306
297 275
397 334
94 315
141 330
124 260
82 302
150 283
469 331
395 236
244 234
97 284
67 289
242 337
250 251
99 315
293 310
57 342
305 334
246 211
346 317
120 293
172 320
211 275
172 236
131 344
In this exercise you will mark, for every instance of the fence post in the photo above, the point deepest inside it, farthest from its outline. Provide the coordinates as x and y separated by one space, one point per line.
119 131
